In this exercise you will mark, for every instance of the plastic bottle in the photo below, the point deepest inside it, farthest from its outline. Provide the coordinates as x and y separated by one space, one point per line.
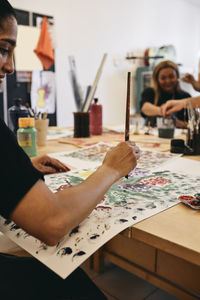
26 136
96 118
15 112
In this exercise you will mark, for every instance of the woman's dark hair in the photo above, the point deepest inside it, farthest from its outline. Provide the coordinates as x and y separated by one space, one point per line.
6 11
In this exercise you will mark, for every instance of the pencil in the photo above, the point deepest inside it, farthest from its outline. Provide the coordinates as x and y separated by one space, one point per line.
127 127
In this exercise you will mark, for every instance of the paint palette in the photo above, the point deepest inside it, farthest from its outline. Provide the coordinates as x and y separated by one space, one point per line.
191 201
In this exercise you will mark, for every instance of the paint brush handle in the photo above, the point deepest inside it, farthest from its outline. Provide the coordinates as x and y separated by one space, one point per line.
128 107
127 125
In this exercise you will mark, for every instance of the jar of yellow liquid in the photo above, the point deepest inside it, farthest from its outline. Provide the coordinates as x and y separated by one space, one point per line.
27 135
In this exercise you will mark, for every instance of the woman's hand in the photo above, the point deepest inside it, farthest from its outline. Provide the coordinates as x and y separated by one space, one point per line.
189 78
48 165
122 158
172 106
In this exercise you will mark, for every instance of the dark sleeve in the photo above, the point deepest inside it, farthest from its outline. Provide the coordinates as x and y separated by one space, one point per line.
182 94
17 174
147 96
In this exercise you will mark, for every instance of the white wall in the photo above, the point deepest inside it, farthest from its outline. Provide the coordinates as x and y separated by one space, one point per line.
89 28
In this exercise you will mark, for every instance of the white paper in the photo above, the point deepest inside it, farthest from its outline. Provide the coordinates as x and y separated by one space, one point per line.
127 202
92 157
57 134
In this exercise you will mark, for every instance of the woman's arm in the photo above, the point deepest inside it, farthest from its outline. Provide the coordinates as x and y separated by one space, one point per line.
50 216
172 106
151 110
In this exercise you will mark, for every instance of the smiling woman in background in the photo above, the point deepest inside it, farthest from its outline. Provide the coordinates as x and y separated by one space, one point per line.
165 87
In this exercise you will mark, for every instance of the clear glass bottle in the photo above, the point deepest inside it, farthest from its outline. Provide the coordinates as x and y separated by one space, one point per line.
27 135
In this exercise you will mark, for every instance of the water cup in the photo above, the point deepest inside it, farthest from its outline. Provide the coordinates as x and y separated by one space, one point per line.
42 127
166 127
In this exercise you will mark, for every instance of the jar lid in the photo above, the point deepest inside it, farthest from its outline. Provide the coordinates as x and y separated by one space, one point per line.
26 122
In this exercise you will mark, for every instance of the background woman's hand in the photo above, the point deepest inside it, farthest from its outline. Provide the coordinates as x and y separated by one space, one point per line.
189 78
172 106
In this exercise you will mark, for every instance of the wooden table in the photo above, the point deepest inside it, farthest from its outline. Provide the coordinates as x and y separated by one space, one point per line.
163 249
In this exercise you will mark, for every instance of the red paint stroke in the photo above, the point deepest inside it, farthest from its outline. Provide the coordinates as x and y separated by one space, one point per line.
156 181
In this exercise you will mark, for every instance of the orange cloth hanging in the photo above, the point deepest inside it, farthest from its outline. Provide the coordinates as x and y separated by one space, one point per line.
44 49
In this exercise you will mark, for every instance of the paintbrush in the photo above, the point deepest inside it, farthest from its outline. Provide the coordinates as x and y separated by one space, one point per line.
127 124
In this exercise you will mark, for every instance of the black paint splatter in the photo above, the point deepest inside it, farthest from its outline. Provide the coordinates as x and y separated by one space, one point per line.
80 253
123 220
14 227
74 231
151 205
94 236
65 251
134 218
140 209
18 234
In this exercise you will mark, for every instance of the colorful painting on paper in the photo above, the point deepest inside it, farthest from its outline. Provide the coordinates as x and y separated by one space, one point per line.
142 195
92 157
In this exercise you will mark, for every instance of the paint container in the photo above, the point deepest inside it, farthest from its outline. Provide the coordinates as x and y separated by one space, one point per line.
96 118
177 146
166 127
42 127
26 136
14 113
81 124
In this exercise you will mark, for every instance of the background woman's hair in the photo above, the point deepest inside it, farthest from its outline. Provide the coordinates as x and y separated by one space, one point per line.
156 71
6 11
